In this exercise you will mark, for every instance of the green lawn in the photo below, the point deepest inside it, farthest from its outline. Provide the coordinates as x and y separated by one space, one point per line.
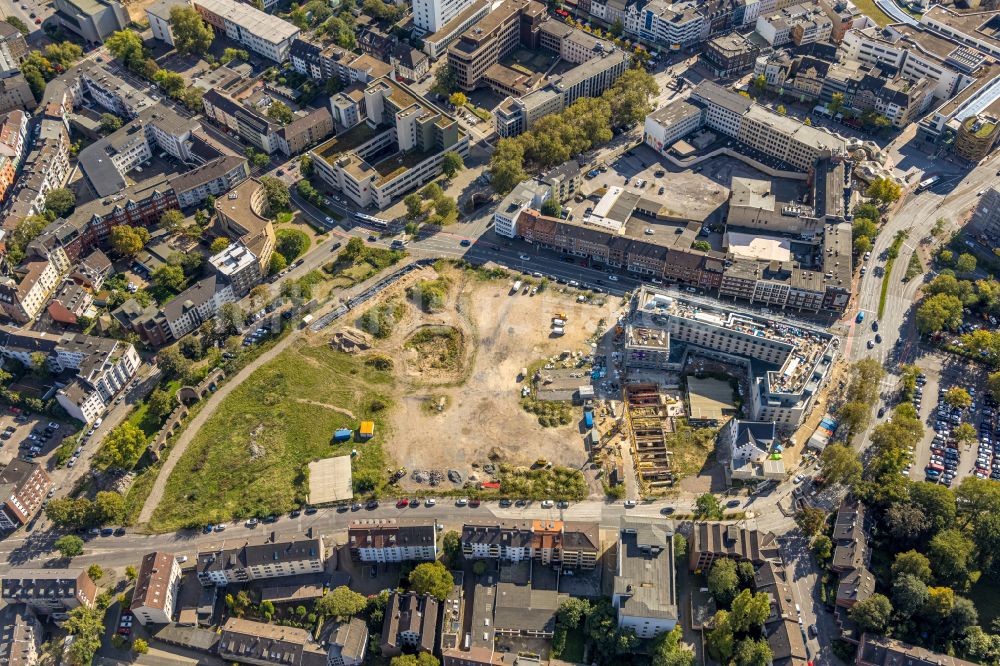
573 652
986 595
148 423
869 8
250 457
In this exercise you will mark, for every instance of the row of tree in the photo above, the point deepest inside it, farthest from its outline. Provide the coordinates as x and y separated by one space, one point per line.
583 125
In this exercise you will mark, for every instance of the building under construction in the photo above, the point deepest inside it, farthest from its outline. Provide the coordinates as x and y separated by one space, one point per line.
649 425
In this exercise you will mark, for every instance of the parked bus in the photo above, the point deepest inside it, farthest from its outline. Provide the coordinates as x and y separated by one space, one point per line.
927 184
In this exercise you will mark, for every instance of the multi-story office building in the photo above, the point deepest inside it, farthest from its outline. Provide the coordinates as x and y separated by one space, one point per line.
784 138
214 178
92 20
260 32
674 25
242 216
985 222
436 43
731 54
518 114
405 150
156 588
786 363
393 540
23 488
49 592
512 24
222 566
245 121
915 53
645 591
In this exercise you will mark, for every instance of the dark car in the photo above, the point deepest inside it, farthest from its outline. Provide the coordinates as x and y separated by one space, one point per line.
521 502
733 503
813 631
465 242
270 519
310 510
881 412
372 505
107 531
120 532
356 506
295 514
504 503
343 508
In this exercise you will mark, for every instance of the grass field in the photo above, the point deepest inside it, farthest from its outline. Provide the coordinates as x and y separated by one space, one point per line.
250 457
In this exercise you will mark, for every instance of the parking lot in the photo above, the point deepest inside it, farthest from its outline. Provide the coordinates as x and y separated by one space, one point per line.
33 438
939 457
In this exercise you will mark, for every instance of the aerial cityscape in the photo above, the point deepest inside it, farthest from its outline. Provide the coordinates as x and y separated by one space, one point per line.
499 332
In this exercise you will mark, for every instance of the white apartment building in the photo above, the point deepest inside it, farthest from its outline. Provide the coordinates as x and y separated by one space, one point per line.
24 295
392 540
156 589
222 566
432 15
260 32
103 366
529 194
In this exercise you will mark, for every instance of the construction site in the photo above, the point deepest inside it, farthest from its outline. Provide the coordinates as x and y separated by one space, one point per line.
649 423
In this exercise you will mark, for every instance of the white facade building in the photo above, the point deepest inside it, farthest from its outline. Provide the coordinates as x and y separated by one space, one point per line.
432 15
156 589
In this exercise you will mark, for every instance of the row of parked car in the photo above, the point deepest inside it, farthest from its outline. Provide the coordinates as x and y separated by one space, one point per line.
945 455
988 457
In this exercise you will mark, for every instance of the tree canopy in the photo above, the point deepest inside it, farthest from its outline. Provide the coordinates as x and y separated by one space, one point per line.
432 578
191 35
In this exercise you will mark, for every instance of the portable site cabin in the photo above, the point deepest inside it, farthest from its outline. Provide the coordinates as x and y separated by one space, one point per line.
367 430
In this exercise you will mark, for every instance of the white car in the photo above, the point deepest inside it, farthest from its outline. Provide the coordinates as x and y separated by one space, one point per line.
181 559
548 504
461 501
524 257
798 478
629 504
430 501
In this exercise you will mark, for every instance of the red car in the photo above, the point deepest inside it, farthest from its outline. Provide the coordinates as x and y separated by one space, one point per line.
474 503
403 503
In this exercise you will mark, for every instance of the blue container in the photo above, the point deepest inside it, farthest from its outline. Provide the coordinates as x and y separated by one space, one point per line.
342 434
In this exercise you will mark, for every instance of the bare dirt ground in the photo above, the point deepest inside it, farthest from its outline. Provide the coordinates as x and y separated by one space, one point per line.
499 335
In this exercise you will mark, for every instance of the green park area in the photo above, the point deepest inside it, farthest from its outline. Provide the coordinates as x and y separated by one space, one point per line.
251 456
